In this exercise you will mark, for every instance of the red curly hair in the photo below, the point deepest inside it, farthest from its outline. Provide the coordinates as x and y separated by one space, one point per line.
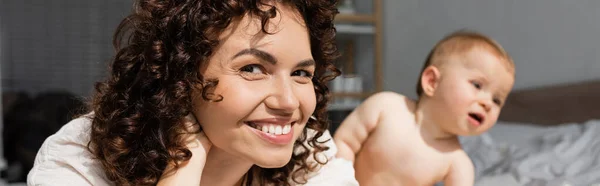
139 109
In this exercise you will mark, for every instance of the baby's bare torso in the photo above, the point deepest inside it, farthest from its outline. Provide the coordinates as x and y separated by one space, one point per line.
398 154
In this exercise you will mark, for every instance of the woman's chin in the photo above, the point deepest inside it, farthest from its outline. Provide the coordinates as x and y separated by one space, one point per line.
273 164
273 161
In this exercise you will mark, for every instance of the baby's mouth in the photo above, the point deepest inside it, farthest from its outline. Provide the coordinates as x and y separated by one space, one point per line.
271 128
477 117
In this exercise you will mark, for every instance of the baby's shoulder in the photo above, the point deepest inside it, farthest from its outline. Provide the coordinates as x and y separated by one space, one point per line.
387 96
395 113
459 156
461 165
392 101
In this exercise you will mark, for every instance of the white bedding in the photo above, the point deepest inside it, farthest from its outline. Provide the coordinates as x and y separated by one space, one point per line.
528 155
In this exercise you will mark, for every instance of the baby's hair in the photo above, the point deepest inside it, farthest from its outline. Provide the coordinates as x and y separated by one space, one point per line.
461 42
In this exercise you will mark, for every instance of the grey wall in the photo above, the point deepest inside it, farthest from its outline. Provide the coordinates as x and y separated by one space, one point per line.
58 44
551 41
2 56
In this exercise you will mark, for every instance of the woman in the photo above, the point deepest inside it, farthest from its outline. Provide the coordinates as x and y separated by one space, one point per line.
253 75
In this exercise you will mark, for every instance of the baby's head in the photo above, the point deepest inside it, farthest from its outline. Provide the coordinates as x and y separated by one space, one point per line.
464 83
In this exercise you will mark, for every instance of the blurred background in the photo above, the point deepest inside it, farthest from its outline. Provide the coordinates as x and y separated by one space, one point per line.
52 52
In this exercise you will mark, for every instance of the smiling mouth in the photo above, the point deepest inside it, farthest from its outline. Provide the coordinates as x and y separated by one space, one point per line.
477 117
271 128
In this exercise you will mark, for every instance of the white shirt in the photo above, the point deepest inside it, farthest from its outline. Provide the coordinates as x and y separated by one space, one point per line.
64 159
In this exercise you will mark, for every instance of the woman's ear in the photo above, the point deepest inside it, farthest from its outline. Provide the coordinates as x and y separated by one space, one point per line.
430 79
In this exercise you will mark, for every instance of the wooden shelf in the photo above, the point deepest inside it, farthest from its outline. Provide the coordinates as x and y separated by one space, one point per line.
353 95
361 24
354 18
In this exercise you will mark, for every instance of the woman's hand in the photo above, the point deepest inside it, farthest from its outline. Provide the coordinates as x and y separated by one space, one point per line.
189 172
196 142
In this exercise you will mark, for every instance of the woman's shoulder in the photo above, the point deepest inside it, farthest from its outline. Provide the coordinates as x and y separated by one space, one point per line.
64 157
72 135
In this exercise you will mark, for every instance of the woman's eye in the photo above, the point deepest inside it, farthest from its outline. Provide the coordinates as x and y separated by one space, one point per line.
477 85
302 73
254 68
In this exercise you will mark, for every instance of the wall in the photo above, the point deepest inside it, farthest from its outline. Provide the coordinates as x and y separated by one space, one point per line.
2 56
58 44
551 41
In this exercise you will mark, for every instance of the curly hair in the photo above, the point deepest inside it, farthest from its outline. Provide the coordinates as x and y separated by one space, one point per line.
137 125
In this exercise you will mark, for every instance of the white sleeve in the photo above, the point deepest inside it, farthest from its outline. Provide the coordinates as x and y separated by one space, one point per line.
64 159
337 171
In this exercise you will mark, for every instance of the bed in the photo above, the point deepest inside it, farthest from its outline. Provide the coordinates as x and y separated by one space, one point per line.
544 136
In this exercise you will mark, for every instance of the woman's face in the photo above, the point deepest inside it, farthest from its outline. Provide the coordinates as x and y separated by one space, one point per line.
265 82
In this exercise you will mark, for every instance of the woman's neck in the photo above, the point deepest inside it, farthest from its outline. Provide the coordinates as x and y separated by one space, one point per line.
224 169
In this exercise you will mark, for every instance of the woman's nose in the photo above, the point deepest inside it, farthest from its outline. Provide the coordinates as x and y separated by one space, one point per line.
283 97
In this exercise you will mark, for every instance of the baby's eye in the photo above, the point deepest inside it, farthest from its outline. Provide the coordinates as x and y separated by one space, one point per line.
302 73
477 85
497 101
254 68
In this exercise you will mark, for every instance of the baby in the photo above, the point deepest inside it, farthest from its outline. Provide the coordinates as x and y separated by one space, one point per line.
394 140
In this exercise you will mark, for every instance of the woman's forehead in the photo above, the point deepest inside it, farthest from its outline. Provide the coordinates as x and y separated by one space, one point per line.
250 27
286 34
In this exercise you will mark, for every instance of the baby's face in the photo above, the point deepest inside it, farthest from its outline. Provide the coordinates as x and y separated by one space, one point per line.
471 91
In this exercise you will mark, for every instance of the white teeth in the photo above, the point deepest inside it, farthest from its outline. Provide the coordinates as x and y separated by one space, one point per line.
272 129
275 129
286 129
265 129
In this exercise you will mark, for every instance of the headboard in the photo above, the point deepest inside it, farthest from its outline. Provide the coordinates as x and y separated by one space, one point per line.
552 105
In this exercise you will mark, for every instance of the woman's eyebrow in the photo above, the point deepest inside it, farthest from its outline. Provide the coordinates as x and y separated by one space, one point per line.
257 53
306 63
270 58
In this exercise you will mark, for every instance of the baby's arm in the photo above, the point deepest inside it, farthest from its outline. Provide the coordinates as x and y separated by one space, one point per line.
461 171
355 129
